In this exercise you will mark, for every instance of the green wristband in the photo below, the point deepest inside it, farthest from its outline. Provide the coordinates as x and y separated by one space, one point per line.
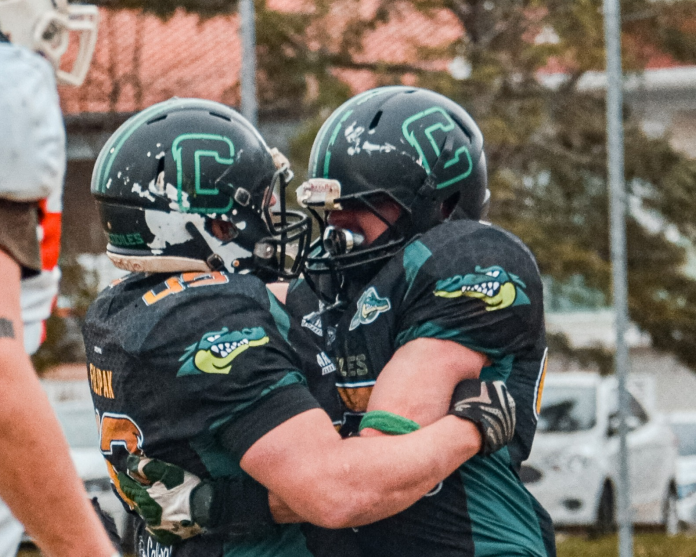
387 422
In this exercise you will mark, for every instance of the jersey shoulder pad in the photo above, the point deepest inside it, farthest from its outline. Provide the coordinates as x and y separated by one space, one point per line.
477 253
32 142
473 282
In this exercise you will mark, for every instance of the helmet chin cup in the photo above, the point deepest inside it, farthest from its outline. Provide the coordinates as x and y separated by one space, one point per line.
338 241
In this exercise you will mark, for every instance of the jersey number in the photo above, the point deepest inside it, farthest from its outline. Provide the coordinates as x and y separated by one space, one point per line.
118 430
174 285
539 390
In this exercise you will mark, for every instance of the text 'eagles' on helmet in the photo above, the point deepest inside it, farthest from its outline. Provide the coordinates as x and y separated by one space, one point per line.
409 146
46 26
188 185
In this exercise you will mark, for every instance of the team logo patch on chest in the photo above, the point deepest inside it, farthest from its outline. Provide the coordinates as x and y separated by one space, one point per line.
370 305
216 350
312 321
494 286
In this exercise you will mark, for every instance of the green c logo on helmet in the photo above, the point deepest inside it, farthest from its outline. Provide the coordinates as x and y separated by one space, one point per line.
419 130
223 153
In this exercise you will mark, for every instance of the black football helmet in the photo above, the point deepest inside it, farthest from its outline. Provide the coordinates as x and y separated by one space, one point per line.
412 146
187 185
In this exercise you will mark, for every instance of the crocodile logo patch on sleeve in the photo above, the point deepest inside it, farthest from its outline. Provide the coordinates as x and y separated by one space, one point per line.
370 305
494 286
216 350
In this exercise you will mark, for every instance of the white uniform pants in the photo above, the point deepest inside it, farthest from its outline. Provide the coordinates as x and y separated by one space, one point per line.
10 532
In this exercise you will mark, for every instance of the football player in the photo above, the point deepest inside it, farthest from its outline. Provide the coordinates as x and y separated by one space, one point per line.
415 293
436 296
48 499
193 361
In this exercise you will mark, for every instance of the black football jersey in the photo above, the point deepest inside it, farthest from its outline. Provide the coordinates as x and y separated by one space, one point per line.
176 360
479 286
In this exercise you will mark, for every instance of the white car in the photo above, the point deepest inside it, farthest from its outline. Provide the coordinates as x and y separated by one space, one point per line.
573 466
684 426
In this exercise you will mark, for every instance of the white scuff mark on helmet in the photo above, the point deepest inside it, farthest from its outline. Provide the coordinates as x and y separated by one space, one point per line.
173 195
169 229
159 145
386 148
353 134
141 192
157 252
418 161
240 225
157 187
159 155
119 174
149 153
108 184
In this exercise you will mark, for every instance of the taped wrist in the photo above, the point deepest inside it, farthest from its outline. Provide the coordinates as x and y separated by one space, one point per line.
232 506
388 422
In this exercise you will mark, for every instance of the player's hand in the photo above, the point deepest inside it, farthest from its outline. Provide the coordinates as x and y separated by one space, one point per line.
176 504
164 498
490 407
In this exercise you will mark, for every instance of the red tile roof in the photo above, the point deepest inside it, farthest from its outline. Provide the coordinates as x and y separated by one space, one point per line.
141 59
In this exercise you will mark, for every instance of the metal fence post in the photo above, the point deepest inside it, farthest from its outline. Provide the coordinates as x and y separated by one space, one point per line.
247 75
615 148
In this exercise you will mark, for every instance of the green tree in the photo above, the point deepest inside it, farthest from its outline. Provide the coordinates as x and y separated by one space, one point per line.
545 145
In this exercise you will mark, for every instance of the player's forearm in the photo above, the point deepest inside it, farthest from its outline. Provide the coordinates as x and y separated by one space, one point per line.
38 479
362 480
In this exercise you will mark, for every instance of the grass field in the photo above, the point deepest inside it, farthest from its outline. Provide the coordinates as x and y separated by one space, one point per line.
645 545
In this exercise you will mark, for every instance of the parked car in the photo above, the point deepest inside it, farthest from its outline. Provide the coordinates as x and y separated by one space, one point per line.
573 466
684 426
78 422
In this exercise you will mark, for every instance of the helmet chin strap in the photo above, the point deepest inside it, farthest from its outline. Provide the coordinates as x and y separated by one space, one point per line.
212 259
356 278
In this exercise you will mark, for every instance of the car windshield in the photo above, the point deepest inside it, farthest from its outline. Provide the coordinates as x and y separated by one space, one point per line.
567 409
79 425
686 433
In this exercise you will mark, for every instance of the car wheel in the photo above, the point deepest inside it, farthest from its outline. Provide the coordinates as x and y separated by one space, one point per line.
606 519
670 517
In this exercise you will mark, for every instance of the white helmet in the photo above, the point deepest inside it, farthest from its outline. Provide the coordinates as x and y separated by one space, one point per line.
45 27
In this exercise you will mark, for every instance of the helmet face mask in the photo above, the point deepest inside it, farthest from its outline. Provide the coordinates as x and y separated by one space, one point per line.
186 185
412 146
46 27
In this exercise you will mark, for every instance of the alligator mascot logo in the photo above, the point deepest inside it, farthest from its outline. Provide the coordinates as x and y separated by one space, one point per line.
370 305
215 351
494 286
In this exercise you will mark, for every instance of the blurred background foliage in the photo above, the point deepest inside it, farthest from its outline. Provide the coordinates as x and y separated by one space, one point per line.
546 144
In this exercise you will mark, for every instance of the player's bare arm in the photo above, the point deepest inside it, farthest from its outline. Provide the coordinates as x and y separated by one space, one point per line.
418 381
337 483
57 516
409 388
